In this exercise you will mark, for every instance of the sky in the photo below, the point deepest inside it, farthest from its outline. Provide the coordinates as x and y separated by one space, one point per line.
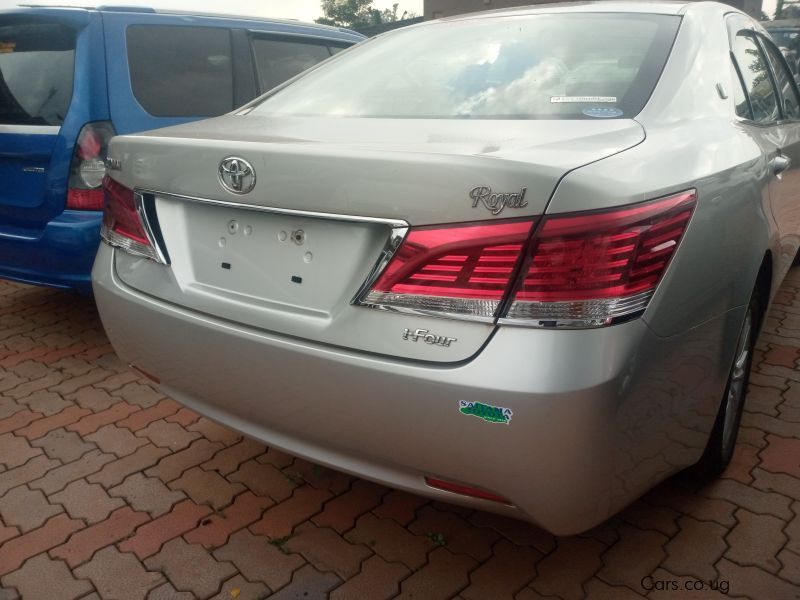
304 10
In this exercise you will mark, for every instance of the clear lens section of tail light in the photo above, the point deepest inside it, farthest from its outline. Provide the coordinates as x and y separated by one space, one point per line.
85 191
598 268
125 222
458 270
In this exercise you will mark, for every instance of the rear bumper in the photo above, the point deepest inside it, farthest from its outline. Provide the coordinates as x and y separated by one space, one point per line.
599 416
60 255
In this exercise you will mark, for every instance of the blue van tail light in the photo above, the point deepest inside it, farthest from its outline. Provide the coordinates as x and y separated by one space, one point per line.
88 167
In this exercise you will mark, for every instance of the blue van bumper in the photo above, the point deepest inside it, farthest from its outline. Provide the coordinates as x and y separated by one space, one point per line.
61 255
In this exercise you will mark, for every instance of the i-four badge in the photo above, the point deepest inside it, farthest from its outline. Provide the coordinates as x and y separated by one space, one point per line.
487 412
428 337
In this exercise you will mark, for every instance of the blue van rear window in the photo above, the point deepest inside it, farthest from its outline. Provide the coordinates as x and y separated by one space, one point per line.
280 59
37 62
181 71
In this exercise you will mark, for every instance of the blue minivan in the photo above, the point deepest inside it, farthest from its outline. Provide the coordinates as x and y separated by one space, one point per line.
72 78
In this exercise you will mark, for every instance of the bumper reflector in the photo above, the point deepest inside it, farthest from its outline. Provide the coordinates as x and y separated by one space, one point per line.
465 490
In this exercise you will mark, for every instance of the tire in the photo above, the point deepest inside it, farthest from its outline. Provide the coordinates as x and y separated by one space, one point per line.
722 442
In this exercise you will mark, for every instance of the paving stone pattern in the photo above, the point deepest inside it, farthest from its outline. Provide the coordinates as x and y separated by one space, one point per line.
109 489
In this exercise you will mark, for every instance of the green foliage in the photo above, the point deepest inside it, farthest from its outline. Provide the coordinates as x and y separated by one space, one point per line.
280 543
295 478
357 14
437 538
787 9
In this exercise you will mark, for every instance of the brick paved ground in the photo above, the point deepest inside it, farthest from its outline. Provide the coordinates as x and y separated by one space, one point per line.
108 489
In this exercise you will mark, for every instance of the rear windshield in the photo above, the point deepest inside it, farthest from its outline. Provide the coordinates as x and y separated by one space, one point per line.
553 66
36 70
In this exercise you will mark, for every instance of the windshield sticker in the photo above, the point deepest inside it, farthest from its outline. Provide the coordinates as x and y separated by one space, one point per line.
583 99
602 112
487 412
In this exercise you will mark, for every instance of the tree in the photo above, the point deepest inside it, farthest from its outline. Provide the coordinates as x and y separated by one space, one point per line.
787 9
349 13
356 14
390 15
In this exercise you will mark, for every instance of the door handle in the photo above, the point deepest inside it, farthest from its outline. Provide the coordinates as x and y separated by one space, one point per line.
779 164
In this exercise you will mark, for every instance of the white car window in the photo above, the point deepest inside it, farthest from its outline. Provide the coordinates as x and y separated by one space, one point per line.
784 81
543 66
757 80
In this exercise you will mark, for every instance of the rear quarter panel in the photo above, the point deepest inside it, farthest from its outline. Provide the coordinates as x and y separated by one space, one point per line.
715 268
693 141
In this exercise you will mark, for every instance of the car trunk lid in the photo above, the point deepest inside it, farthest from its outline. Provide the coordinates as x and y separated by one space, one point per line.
291 255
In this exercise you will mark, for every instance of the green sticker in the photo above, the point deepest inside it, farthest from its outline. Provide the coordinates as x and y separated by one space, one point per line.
487 412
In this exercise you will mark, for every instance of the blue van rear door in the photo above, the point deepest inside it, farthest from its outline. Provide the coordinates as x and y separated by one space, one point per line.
38 122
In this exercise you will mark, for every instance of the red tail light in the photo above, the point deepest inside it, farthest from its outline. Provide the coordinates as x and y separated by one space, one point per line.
579 270
458 270
124 222
85 190
594 268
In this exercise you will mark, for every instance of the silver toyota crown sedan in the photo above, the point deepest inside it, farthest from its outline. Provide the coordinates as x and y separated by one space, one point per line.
514 260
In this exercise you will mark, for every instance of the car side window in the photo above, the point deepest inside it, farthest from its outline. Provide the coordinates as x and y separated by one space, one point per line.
787 88
756 78
179 71
739 97
278 60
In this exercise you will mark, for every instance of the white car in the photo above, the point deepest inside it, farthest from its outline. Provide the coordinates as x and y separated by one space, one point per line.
455 260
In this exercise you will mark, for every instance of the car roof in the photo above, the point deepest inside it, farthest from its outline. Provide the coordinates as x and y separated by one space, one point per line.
622 6
184 13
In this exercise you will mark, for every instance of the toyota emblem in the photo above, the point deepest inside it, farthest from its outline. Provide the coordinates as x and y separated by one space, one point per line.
237 175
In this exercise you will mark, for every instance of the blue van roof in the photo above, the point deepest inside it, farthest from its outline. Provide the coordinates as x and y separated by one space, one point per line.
189 13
